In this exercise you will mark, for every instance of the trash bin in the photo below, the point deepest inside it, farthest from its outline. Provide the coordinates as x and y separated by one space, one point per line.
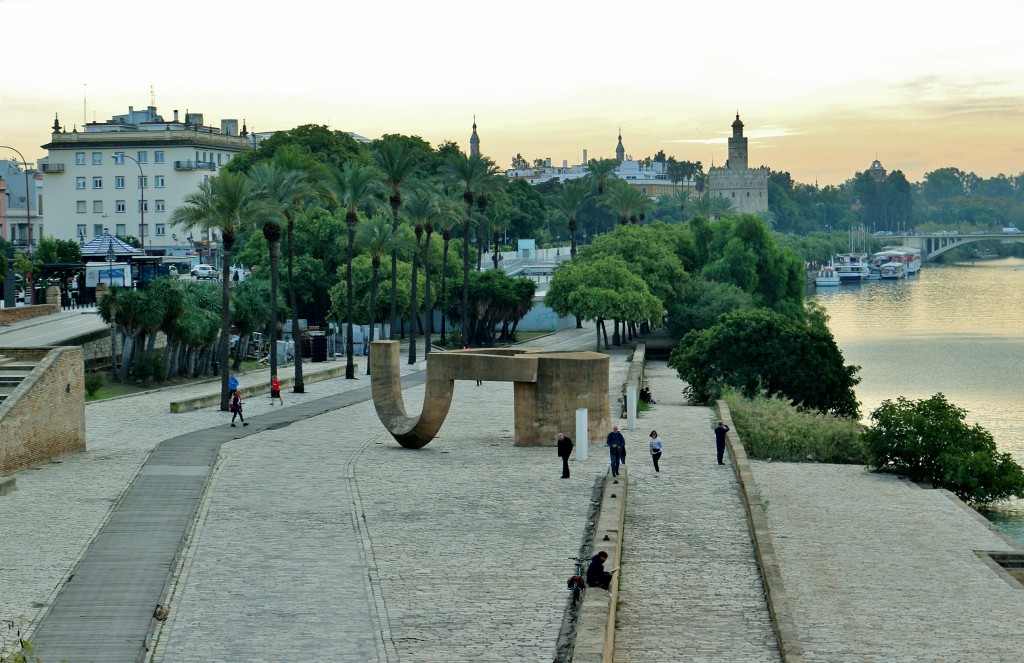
319 348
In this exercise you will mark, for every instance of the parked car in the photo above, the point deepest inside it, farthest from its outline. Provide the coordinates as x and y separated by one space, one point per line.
204 272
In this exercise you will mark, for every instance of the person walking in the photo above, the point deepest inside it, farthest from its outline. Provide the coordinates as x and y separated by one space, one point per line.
720 430
236 409
655 447
564 449
275 390
616 443
232 386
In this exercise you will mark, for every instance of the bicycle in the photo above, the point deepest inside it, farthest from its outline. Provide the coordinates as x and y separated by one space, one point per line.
577 582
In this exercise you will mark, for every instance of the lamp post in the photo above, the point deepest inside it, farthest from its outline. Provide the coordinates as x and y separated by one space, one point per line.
113 309
142 198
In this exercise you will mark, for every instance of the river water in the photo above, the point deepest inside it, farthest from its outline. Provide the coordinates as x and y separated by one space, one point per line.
956 329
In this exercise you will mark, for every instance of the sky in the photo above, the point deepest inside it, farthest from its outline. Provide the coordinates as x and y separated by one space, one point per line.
823 88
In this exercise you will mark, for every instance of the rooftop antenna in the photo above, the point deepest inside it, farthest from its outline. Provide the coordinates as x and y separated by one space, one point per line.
152 97
85 103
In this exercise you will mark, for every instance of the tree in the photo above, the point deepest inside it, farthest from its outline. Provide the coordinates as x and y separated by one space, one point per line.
225 201
422 210
51 250
265 178
626 202
700 303
324 145
356 187
377 237
569 200
929 440
449 219
761 352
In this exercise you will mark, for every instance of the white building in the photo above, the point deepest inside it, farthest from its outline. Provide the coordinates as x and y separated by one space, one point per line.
128 174
18 209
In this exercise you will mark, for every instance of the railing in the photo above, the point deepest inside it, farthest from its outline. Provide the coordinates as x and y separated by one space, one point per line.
195 165
53 167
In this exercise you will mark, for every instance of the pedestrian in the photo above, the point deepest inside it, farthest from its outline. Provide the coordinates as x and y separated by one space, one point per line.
616 445
236 409
564 449
596 575
655 446
275 390
720 432
232 386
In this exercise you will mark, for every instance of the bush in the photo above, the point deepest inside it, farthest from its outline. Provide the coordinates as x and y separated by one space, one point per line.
94 382
772 429
929 440
147 368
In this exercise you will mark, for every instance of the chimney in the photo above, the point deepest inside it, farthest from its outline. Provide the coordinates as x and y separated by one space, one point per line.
565 163
547 162
584 157
175 115
229 127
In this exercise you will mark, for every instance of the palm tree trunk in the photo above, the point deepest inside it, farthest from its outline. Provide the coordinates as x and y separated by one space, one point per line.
225 326
444 284
427 304
275 267
299 386
373 308
350 370
412 306
465 270
395 202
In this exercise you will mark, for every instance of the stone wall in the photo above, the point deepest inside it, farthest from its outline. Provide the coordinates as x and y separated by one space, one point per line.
44 418
19 313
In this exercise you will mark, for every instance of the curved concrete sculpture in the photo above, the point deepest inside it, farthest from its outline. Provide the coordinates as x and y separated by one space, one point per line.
549 388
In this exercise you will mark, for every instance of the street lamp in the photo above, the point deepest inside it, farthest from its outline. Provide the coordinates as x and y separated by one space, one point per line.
113 308
28 197
142 197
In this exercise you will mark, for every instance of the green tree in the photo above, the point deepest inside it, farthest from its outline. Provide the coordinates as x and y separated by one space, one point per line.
929 440
324 145
422 210
266 178
700 303
377 237
51 250
761 352
250 311
569 200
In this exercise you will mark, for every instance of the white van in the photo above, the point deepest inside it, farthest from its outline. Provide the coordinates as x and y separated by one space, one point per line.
1010 230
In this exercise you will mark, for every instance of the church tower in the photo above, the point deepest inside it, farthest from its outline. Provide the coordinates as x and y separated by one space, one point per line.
474 141
737 147
620 151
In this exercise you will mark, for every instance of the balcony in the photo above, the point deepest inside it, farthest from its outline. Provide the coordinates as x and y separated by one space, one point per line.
52 167
195 165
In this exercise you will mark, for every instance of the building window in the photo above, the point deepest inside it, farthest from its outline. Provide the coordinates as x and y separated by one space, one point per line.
161 206
143 181
119 181
97 158
142 230
79 158
97 229
219 155
160 232
79 182
158 181
643 190
143 206
97 207
122 230
81 230
158 156
141 156
80 205
119 207
97 182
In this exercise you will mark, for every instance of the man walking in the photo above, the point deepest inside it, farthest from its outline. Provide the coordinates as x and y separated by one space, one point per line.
616 448
564 449
720 430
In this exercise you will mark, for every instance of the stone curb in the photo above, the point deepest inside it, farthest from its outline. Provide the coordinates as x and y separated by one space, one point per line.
595 633
209 400
783 623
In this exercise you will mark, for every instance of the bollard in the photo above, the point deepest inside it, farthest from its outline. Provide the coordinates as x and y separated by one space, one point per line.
631 407
582 441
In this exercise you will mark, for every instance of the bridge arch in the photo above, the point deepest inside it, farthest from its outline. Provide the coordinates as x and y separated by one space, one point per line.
934 245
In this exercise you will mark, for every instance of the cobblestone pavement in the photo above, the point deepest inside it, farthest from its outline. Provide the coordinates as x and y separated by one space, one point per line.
879 570
690 588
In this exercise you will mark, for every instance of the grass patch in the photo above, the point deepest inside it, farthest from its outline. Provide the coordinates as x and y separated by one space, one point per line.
772 429
115 389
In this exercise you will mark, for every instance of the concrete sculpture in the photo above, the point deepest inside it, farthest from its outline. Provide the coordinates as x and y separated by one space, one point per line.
549 388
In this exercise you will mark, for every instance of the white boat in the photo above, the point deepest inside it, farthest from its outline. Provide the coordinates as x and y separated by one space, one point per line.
893 270
851 267
826 276
908 255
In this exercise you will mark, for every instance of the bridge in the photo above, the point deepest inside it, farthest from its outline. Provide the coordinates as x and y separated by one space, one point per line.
933 245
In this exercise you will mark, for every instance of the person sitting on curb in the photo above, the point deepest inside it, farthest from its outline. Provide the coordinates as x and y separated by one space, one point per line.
596 575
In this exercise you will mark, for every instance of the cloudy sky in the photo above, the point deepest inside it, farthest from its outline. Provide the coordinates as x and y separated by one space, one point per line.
822 87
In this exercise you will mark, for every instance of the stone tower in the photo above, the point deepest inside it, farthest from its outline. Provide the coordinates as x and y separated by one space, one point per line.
474 141
620 151
737 147
746 188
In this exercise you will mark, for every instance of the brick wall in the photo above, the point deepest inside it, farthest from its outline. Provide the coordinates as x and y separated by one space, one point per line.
18 313
44 418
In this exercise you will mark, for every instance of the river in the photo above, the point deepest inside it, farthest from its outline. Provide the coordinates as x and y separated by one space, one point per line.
956 329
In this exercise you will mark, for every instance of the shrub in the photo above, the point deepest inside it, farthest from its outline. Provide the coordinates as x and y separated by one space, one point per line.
94 382
929 440
147 368
773 429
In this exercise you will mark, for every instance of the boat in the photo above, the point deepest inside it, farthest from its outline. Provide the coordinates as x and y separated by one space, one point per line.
851 267
908 255
826 276
892 270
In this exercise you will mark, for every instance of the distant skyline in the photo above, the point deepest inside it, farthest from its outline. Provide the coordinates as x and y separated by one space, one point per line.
822 88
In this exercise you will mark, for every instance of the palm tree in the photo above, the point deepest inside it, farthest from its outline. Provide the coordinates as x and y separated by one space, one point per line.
428 227
720 206
377 237
623 200
682 198
422 209
450 218
264 177
569 200
225 201
396 161
599 172
298 179
469 174
356 186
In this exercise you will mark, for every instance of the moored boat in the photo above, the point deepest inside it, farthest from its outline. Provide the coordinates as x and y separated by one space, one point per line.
851 267
826 276
892 270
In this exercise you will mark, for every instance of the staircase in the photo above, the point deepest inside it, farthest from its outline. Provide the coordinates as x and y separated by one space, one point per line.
12 372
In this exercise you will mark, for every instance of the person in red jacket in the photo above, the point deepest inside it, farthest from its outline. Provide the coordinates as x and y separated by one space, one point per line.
275 390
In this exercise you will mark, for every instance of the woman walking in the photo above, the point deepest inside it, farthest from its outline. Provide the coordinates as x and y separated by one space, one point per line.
655 446
236 409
